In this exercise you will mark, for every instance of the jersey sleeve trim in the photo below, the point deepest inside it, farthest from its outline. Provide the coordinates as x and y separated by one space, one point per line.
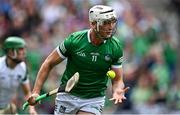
25 76
59 52
26 81
116 66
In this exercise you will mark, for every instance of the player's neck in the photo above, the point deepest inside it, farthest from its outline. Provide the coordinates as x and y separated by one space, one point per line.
10 63
94 39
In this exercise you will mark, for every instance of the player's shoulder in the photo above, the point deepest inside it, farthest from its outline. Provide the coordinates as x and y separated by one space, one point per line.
78 34
115 39
76 37
22 66
116 42
82 32
2 61
2 58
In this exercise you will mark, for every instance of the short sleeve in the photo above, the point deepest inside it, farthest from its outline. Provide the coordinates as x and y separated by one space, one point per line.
118 59
65 47
25 74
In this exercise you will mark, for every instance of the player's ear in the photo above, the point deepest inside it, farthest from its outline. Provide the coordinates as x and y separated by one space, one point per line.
9 52
93 24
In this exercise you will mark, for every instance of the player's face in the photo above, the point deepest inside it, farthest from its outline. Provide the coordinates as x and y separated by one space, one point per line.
107 28
21 54
17 55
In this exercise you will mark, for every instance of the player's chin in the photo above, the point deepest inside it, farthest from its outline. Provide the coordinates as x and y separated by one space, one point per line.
21 60
107 37
109 34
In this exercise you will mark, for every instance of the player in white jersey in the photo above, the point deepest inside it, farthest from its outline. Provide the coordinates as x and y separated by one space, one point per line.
13 73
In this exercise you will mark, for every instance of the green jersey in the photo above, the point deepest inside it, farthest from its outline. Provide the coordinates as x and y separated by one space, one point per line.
92 62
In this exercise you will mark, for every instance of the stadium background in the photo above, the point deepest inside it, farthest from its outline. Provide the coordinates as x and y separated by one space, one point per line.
148 30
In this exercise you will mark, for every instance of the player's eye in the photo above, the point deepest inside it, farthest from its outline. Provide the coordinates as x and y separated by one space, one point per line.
111 21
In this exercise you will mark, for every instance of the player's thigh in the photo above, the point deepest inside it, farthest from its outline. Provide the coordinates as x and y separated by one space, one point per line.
92 106
65 104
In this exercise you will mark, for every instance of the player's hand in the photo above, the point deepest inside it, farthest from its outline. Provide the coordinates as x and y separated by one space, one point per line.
31 100
118 95
32 110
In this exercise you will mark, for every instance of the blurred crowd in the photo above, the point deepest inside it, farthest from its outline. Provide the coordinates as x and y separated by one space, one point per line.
150 49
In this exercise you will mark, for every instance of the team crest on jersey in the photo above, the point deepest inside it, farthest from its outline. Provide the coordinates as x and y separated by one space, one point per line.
107 57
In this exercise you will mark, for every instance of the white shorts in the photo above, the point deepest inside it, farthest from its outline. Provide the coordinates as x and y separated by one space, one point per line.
69 104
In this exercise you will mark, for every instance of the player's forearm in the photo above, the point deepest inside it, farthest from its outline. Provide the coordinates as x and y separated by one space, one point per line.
52 60
118 84
41 77
27 90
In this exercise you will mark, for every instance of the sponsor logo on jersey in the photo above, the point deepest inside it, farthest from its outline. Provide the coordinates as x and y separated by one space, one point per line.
82 54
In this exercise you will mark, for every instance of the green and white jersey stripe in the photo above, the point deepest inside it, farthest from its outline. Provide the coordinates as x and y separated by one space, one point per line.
92 62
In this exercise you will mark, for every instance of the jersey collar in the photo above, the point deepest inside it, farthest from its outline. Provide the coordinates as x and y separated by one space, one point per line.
89 40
